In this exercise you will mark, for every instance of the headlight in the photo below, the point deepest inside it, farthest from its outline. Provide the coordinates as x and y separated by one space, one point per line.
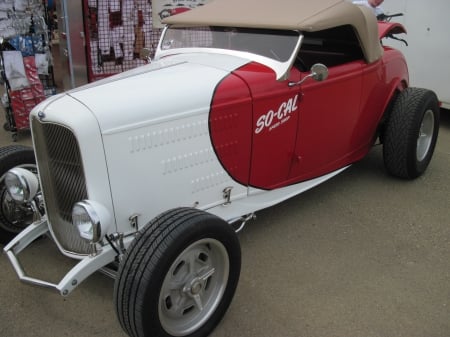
92 220
22 184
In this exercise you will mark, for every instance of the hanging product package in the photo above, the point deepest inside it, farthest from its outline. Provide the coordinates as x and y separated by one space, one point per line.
42 63
7 5
24 44
7 29
15 70
20 5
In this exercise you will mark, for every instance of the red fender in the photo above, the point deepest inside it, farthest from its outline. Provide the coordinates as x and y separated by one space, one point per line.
387 28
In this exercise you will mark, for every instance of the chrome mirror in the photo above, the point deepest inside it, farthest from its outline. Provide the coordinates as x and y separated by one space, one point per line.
145 55
319 72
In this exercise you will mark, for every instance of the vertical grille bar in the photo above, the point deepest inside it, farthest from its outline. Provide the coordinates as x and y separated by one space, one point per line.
62 180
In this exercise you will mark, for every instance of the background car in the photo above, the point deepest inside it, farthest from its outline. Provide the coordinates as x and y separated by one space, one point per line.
170 10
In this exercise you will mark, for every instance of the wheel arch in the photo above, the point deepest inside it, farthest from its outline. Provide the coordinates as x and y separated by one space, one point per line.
411 133
395 89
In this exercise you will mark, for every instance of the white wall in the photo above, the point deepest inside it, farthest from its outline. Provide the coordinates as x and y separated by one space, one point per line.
428 53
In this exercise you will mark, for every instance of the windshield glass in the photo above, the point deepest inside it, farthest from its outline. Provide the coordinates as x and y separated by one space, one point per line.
274 44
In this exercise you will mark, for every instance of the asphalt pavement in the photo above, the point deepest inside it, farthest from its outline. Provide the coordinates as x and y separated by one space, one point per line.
362 255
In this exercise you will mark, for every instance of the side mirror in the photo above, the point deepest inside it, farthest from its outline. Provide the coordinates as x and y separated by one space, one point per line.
145 55
319 72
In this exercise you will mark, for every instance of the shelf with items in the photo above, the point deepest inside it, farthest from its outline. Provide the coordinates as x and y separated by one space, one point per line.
26 63
116 33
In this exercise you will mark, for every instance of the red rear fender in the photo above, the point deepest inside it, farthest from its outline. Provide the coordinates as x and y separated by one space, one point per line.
390 28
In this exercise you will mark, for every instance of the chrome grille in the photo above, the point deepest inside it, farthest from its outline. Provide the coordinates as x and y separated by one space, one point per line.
62 180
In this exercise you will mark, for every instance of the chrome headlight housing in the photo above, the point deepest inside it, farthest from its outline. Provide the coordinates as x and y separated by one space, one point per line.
92 220
22 184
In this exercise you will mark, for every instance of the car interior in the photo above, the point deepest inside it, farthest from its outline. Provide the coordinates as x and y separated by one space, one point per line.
330 47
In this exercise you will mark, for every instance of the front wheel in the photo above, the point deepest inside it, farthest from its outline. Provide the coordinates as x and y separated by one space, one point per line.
178 276
14 216
411 133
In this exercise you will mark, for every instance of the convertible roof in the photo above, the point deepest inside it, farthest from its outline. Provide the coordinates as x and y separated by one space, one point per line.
304 15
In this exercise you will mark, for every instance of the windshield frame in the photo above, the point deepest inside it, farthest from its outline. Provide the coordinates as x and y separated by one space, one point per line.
280 67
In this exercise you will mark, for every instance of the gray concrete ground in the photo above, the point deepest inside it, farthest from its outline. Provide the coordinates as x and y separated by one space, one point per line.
363 255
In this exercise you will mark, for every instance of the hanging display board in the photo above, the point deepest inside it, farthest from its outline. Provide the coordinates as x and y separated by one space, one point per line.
118 30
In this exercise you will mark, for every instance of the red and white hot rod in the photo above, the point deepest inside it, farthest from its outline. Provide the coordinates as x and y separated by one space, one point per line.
155 169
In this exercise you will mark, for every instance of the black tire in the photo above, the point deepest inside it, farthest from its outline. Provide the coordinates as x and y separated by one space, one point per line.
178 276
411 133
14 217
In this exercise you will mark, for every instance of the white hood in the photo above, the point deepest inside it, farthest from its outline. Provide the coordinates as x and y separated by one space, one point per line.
182 84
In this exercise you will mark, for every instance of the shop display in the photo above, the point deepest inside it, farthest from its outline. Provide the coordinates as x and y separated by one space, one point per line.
116 32
26 61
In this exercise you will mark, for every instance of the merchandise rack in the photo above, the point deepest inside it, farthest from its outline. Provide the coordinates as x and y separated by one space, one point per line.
25 61
116 32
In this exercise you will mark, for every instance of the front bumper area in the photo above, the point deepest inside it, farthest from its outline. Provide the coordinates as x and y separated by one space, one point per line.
83 269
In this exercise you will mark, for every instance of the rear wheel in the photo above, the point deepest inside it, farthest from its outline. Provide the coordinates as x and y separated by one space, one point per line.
14 216
178 276
411 133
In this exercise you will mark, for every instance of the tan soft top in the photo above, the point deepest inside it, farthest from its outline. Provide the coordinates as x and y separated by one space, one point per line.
303 15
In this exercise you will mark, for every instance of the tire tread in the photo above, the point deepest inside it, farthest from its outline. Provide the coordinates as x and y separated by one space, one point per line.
400 138
139 264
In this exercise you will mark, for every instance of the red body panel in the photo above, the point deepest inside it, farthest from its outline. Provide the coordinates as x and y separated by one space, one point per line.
268 134
275 124
386 28
329 114
179 10
230 123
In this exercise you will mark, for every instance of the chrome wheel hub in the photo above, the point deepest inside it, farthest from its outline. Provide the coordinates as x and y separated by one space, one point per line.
193 287
15 216
425 135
